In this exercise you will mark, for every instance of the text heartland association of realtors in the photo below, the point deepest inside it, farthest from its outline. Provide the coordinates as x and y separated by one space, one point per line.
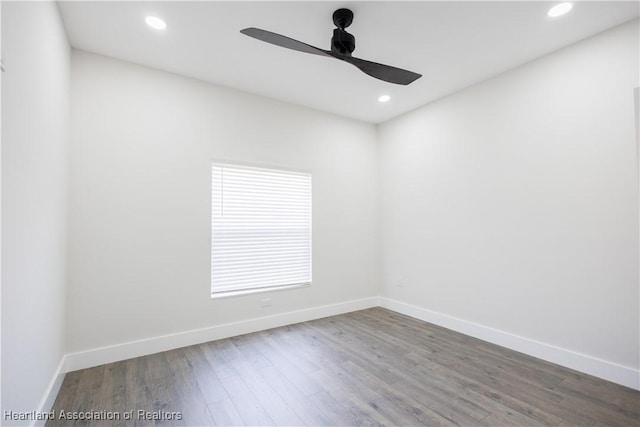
139 414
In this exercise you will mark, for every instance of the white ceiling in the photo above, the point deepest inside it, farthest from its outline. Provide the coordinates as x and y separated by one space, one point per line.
452 44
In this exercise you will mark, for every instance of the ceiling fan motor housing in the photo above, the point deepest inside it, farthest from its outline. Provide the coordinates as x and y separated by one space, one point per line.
342 42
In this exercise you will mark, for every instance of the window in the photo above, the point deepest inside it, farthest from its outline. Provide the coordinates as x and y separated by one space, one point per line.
260 229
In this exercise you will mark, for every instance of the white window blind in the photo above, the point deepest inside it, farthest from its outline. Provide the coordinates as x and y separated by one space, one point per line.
260 228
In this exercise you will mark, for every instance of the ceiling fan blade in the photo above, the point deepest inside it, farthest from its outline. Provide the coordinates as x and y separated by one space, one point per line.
383 72
282 41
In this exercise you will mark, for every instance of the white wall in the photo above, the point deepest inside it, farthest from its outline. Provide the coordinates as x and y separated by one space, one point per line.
513 204
34 202
142 145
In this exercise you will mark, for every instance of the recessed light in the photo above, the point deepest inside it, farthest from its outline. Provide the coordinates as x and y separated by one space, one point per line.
155 22
559 9
384 98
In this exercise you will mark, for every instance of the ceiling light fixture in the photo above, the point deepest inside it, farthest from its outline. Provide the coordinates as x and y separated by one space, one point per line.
559 9
384 98
155 22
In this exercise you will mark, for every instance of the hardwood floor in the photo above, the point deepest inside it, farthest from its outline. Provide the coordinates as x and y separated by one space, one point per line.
371 367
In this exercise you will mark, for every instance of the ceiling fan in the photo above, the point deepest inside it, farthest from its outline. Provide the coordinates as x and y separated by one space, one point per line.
342 45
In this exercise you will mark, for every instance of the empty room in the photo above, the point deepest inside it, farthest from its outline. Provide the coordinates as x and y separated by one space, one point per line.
314 213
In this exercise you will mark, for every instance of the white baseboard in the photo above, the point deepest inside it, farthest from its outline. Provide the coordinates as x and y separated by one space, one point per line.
609 371
128 350
51 393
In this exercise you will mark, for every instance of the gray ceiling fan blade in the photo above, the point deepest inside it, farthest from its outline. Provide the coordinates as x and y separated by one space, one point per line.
283 41
383 72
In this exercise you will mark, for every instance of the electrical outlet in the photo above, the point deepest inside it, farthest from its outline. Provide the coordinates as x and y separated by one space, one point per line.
400 282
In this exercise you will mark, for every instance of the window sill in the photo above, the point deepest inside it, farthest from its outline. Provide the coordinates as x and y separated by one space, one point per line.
228 294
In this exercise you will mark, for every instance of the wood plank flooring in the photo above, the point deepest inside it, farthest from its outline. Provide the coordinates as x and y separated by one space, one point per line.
371 367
